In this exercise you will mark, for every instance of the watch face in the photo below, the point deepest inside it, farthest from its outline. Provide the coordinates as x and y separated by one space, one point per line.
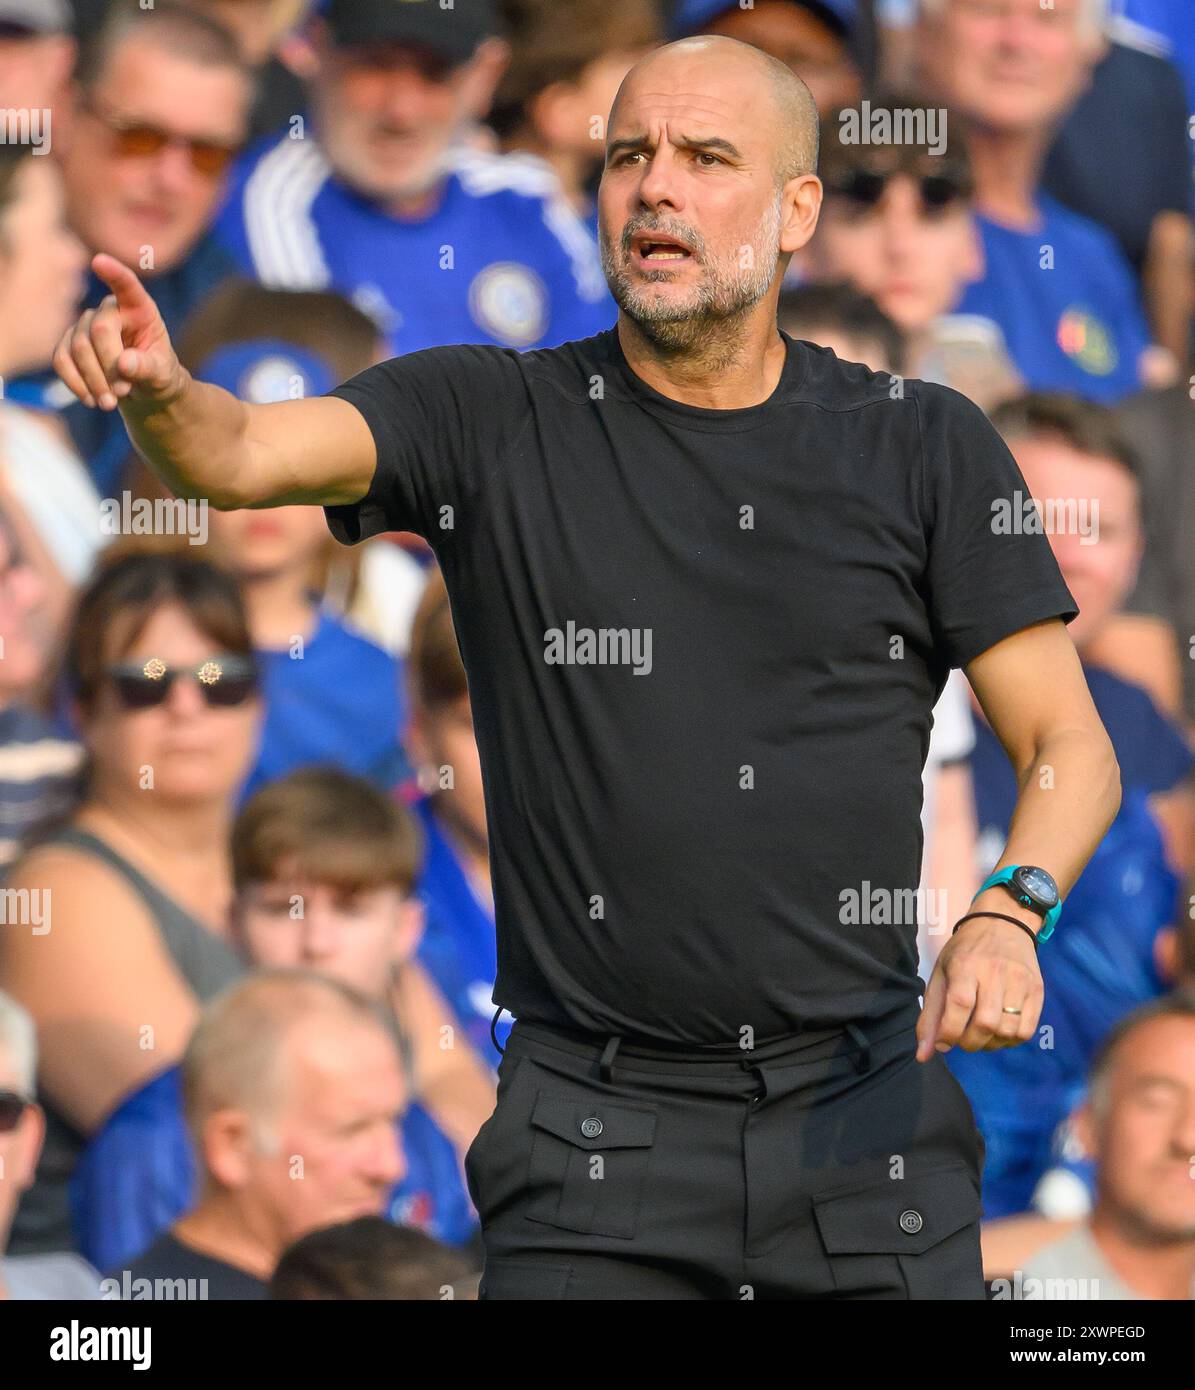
1039 885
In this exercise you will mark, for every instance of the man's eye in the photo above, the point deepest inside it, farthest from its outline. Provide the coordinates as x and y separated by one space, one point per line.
705 154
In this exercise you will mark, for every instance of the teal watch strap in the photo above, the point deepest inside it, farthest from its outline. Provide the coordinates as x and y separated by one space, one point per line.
1004 875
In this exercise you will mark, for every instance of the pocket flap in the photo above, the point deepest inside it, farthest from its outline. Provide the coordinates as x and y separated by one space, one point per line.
594 1123
898 1216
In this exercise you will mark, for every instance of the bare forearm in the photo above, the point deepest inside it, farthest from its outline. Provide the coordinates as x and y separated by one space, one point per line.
196 443
1069 796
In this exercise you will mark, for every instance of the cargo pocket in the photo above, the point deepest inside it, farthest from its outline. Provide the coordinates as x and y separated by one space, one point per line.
914 1237
589 1158
523 1279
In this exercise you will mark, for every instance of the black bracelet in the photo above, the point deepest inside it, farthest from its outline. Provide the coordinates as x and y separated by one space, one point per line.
1004 917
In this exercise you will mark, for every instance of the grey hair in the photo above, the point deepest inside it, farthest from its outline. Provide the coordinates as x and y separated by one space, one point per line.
1094 13
18 1043
1179 1003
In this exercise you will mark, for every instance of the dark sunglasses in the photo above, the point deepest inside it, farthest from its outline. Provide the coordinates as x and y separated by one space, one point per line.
866 187
138 140
12 1106
224 681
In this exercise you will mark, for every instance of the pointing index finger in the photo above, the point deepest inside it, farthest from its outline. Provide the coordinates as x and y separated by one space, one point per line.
130 293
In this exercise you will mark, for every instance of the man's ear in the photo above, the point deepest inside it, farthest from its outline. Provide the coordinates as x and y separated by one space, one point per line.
801 203
31 1133
481 75
409 928
226 1143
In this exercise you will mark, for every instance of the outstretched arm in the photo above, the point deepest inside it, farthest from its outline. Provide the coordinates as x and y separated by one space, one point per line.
200 440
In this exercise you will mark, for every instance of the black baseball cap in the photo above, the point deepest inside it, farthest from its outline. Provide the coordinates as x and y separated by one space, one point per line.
452 30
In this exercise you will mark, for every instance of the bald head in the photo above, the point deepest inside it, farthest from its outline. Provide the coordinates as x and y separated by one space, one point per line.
729 70
238 1053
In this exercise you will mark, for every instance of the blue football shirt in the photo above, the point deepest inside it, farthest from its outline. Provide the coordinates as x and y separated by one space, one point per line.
1075 326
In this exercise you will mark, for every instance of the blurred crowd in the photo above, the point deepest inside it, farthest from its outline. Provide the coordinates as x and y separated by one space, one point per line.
247 946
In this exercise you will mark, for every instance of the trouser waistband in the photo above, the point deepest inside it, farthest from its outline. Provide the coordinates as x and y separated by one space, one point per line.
720 1059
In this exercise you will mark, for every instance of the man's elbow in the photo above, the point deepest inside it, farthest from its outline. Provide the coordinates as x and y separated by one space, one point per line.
1111 778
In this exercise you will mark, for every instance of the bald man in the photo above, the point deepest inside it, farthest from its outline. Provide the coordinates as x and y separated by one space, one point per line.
708 581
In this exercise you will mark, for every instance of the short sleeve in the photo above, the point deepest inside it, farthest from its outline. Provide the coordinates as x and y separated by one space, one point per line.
990 571
440 418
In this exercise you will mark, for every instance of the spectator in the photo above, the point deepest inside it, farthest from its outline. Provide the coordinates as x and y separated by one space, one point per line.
1080 487
139 876
38 769
331 695
289 1075
349 857
21 1129
41 278
1056 283
842 318
1139 188
818 39
459 948
385 205
370 1259
269 33
898 223
324 866
160 110
1140 643
36 54
568 58
1138 1124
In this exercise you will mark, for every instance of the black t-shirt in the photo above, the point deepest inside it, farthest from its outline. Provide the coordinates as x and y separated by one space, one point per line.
168 1260
702 649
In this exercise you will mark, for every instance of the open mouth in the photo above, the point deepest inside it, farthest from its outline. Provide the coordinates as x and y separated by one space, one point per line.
653 249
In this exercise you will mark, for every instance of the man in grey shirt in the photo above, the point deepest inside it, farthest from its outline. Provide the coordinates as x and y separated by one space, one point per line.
1139 1125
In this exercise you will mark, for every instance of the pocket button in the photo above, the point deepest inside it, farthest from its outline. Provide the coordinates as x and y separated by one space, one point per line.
911 1222
591 1127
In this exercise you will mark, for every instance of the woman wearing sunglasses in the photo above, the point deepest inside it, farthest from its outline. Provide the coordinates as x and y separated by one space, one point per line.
135 885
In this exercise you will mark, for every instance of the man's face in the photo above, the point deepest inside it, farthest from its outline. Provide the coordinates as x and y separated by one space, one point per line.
1144 1137
1011 65
343 1094
149 209
911 258
690 208
1099 568
356 935
801 41
388 114
19 1149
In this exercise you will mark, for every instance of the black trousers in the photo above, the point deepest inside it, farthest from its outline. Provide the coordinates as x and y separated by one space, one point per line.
824 1165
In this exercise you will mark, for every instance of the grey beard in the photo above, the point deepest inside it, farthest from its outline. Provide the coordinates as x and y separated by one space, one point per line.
708 320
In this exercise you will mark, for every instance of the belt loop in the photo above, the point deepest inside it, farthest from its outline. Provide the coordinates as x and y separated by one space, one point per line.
494 1030
606 1065
862 1048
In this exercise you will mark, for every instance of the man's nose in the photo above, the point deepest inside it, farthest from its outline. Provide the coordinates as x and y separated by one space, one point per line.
173 171
386 1162
319 932
405 101
660 184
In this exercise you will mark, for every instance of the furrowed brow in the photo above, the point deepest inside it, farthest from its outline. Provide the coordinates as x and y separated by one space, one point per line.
713 143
